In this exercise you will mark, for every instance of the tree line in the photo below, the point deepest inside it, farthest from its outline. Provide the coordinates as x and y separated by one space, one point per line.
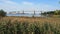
56 12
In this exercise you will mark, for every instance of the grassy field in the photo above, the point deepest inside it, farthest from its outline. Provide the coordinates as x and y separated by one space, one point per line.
31 19
29 25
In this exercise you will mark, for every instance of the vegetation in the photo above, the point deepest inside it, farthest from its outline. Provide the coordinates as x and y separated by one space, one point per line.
29 28
56 12
28 25
2 13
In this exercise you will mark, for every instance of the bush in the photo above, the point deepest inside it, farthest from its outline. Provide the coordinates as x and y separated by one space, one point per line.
2 13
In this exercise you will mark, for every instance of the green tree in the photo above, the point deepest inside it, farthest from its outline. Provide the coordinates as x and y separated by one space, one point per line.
2 13
57 12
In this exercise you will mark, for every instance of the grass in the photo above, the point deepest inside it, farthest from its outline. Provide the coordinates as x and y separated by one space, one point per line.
31 19
29 25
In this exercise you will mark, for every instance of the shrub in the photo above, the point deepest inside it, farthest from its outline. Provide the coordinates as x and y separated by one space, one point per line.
2 13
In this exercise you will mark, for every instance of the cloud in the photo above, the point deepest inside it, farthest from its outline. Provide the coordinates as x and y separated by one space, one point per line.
8 2
27 3
9 5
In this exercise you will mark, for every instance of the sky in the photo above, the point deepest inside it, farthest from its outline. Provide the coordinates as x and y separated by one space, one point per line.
29 5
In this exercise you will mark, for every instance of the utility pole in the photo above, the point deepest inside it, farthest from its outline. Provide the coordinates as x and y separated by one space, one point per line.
34 12
23 12
41 13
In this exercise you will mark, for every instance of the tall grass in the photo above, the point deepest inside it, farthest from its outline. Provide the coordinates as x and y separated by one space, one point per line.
28 28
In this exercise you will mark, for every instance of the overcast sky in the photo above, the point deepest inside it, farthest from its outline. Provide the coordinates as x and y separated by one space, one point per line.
29 5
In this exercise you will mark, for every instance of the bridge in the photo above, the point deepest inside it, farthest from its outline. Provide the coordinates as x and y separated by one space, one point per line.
24 12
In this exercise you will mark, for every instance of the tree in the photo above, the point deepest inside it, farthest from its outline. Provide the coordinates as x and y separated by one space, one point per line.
57 12
2 13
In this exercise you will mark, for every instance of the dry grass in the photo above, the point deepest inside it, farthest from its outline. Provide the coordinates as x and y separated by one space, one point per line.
30 25
31 19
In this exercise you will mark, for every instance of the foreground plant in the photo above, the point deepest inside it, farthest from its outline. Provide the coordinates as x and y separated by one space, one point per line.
28 28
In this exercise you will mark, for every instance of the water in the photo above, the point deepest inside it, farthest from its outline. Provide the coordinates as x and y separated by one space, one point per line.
28 15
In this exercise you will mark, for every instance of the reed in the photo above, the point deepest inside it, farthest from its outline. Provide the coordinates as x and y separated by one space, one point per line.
29 28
